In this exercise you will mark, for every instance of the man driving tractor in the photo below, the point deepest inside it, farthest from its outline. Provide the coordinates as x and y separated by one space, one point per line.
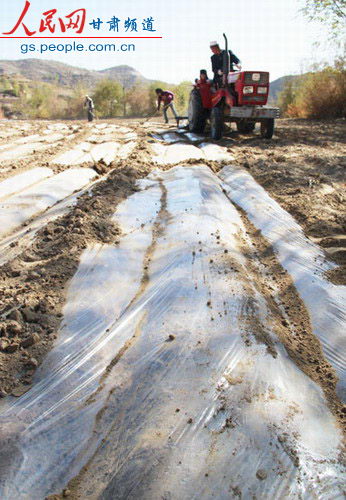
217 62
239 97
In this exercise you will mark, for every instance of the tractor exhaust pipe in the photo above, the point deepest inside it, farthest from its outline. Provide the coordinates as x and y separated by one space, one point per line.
226 63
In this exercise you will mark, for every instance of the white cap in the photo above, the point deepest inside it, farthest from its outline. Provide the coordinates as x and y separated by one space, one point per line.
212 44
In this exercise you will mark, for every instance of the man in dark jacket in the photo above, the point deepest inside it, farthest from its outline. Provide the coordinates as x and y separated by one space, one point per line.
89 104
166 97
217 62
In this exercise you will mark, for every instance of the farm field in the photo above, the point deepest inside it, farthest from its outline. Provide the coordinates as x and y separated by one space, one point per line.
172 320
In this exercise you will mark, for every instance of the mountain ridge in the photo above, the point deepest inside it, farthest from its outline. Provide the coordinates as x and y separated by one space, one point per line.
66 75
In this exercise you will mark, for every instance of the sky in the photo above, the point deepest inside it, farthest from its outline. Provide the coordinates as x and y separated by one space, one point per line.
266 35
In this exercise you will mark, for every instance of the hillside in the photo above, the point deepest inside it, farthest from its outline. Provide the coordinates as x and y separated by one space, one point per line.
277 86
68 76
126 75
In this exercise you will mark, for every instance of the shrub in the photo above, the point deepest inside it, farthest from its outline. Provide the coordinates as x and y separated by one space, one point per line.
182 94
40 101
322 95
319 94
75 103
108 99
138 101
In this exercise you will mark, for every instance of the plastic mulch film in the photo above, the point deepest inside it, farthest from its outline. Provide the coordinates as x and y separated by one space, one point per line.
178 152
36 198
22 181
22 150
160 385
26 145
175 153
305 262
88 152
26 233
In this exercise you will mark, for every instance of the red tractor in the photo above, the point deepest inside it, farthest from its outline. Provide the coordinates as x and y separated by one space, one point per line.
241 97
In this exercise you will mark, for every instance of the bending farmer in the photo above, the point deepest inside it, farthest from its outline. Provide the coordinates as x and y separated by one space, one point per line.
166 97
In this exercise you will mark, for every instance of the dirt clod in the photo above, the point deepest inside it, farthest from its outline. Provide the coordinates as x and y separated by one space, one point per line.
261 474
32 339
31 363
11 348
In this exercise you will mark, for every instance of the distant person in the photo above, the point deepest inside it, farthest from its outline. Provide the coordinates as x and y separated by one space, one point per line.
217 62
89 104
166 97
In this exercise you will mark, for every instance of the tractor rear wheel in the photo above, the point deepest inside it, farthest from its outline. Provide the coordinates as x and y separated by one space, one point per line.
267 128
196 113
245 127
216 123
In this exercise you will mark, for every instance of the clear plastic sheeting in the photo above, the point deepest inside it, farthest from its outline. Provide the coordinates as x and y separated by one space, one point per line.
22 150
175 135
215 152
7 145
28 144
86 152
105 129
156 136
19 127
172 137
27 233
59 126
158 382
176 153
111 132
159 131
47 136
194 137
74 156
19 182
102 138
305 262
28 138
18 208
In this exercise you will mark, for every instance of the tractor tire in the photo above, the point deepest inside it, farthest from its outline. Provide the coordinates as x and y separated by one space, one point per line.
267 128
216 123
196 113
245 127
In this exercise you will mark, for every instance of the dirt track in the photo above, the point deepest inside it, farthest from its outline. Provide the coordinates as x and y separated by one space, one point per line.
178 270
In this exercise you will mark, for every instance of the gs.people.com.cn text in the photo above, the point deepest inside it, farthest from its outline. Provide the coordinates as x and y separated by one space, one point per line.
76 47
